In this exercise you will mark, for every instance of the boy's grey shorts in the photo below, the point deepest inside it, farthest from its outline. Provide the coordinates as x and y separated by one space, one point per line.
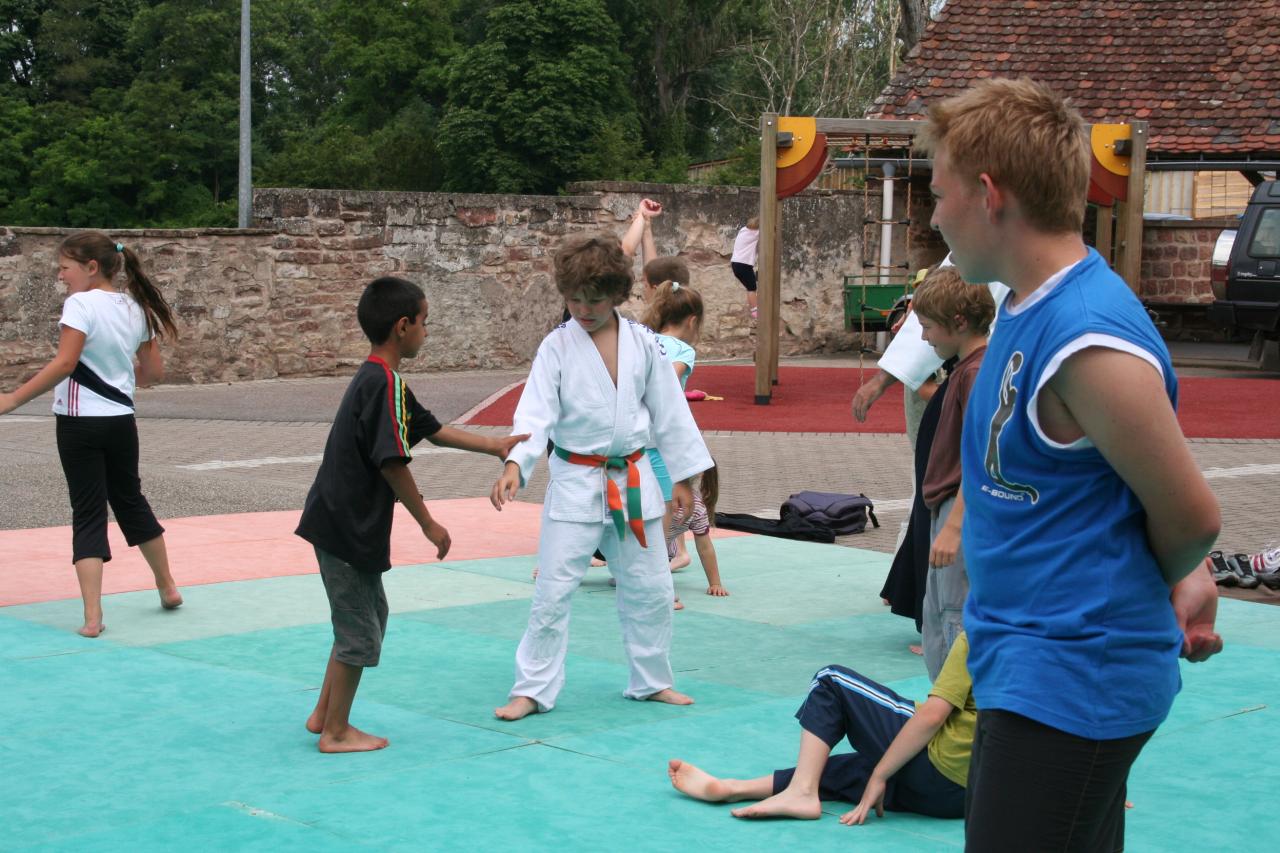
359 608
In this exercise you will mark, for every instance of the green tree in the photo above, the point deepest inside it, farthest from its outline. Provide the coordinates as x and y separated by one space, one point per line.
79 48
678 50
378 90
535 103
17 141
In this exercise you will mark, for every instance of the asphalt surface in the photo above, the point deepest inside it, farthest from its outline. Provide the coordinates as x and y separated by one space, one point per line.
254 446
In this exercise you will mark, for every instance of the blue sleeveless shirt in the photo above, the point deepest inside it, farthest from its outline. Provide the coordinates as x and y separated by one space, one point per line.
1068 615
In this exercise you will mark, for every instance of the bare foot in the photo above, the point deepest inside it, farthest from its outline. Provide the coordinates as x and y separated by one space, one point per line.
680 561
786 803
518 708
670 696
679 605
91 629
916 649
697 783
352 740
596 562
170 599
315 723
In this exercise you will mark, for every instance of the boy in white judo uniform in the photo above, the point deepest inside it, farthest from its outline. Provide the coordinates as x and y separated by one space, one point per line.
602 391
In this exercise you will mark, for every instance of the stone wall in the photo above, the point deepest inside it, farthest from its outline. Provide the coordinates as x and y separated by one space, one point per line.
279 299
219 281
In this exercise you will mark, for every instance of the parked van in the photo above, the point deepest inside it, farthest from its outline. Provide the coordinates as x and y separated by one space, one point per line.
1246 268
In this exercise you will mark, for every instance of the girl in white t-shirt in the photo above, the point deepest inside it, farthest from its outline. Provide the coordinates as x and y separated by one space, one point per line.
103 329
743 262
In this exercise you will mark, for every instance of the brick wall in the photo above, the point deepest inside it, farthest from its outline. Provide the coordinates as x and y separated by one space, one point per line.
1176 256
279 300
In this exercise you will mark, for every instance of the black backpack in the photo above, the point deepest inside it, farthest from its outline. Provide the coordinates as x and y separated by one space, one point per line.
841 514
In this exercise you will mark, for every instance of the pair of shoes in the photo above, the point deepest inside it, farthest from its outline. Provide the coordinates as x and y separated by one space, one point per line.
1233 570
1266 566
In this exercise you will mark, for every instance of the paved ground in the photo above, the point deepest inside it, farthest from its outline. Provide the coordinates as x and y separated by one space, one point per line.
254 446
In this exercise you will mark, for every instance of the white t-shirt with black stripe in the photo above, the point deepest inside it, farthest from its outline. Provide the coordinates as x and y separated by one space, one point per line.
114 327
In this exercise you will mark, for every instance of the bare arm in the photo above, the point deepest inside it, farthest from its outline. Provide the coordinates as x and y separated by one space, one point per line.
710 565
70 345
635 235
648 250
946 546
150 367
1120 404
869 392
913 737
460 439
397 475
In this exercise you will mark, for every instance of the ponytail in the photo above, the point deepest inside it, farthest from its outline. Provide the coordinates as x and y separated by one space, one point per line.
672 303
159 314
112 257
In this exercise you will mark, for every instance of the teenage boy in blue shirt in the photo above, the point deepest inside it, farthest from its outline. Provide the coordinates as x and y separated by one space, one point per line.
1086 518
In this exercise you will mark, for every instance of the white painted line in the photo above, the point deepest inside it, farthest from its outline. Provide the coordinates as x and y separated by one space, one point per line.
485 403
22 419
221 464
1241 471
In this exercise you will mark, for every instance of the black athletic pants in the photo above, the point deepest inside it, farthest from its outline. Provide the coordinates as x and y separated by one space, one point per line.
843 704
100 461
1035 788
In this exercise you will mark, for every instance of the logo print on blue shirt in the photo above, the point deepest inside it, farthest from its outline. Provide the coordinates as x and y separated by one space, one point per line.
1008 405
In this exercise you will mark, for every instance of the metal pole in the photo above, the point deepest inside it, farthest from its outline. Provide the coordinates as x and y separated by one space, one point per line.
886 240
246 124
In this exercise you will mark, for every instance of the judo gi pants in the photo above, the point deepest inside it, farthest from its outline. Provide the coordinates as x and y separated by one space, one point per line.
645 595
843 704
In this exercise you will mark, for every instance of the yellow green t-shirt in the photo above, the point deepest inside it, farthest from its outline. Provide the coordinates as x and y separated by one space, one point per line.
950 748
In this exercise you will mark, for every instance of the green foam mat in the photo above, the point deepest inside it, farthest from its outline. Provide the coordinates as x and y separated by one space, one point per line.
185 729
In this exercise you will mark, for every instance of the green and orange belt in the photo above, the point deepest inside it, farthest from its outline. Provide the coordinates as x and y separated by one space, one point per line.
634 511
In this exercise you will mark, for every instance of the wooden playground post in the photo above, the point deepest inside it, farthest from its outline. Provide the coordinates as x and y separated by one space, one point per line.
769 261
1129 227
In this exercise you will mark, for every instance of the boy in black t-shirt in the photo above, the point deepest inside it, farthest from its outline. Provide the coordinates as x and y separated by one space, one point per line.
347 516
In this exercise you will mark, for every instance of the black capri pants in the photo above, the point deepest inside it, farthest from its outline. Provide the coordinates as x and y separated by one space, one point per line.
1034 789
746 274
99 458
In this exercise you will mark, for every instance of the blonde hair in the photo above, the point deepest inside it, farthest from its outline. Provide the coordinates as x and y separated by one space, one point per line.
944 295
1026 138
672 303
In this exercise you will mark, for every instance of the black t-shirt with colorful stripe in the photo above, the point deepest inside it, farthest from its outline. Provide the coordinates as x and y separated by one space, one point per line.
349 508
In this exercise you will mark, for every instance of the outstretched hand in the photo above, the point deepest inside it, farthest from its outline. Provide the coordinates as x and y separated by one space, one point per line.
502 446
1195 604
8 402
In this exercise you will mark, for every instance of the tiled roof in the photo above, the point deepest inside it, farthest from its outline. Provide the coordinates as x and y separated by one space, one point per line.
1204 73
